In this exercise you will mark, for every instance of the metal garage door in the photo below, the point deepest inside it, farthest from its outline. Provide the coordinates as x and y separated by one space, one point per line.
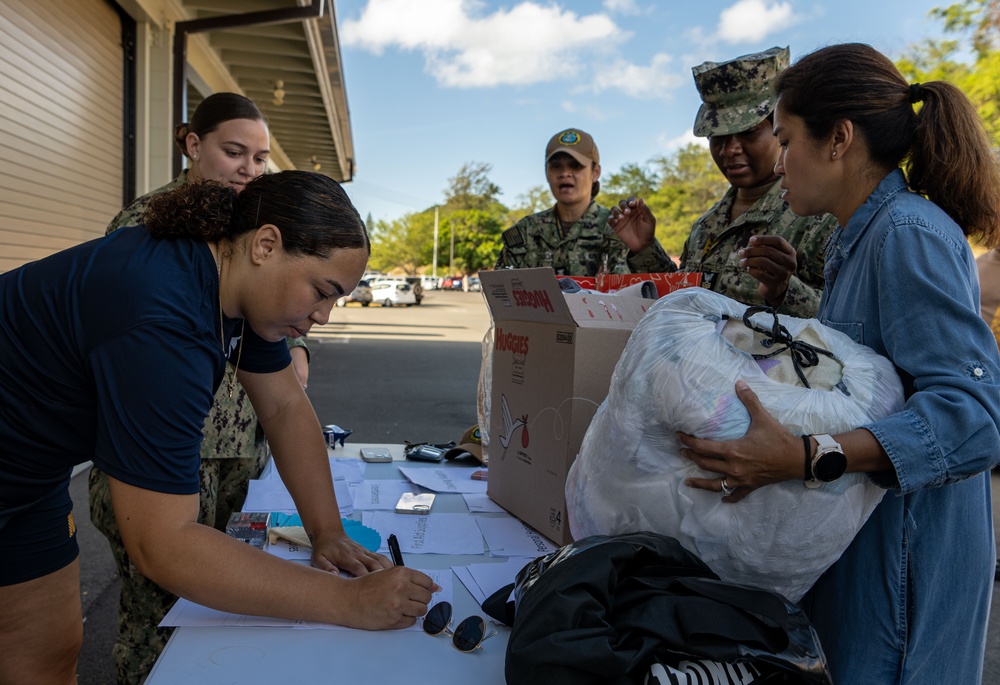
61 114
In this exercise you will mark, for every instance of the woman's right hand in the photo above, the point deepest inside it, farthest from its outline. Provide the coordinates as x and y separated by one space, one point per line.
387 600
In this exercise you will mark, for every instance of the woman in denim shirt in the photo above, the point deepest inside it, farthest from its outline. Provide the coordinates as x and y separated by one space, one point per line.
908 602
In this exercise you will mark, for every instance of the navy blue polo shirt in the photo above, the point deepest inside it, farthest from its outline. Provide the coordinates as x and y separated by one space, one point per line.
110 351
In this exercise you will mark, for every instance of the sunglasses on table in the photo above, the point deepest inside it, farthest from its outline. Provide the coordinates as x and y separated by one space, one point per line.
467 637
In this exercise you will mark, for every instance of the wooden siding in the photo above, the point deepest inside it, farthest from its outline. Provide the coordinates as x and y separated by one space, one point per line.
61 104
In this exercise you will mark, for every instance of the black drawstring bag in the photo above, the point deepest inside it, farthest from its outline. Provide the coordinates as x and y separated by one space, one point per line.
602 610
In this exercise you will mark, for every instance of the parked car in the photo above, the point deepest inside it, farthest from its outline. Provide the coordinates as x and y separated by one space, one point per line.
474 285
452 283
391 293
362 294
418 287
430 282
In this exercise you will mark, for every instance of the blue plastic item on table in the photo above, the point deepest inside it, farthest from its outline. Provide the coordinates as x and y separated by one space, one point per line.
369 538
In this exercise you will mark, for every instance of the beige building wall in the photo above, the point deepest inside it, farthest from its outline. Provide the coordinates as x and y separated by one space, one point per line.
61 128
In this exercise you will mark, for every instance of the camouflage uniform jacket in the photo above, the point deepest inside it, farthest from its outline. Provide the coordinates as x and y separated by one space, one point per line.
714 244
231 428
537 240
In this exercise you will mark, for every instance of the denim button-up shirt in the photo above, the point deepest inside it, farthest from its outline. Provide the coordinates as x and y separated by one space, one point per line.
901 279
910 597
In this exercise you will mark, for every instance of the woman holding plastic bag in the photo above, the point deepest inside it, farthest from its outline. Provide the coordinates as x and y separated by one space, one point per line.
908 601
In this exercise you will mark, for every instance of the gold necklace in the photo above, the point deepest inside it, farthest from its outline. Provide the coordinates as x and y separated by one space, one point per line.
230 371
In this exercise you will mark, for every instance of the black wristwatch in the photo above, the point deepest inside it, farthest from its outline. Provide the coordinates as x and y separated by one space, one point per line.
829 462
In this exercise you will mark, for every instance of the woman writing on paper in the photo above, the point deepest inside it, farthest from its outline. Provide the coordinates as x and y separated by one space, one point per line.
123 342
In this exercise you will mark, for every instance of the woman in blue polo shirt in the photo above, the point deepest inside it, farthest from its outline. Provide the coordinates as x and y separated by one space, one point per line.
112 350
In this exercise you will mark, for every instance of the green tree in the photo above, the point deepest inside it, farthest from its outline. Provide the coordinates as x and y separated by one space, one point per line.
532 201
631 179
475 215
406 243
690 184
471 188
934 59
477 238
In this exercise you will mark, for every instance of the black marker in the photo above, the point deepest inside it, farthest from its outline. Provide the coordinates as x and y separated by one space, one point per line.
397 556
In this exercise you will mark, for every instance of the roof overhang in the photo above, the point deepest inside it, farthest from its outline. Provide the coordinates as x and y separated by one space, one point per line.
310 126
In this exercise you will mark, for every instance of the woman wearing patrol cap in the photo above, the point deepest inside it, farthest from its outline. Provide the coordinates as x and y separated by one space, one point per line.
573 237
749 245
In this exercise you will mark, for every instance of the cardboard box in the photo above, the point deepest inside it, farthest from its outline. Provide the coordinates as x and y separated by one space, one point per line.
553 357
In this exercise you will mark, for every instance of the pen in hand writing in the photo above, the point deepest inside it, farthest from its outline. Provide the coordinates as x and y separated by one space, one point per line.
397 556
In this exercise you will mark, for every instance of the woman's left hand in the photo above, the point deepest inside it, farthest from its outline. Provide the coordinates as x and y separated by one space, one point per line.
337 552
760 457
771 260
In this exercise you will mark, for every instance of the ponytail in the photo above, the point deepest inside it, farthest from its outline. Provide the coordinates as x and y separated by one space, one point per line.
952 163
199 211
943 145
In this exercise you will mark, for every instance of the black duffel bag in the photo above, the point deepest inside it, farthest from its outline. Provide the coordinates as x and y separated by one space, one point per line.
604 609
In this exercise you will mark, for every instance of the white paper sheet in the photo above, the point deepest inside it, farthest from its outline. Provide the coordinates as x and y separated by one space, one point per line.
272 495
482 580
479 504
509 537
431 534
381 495
351 470
185 613
444 480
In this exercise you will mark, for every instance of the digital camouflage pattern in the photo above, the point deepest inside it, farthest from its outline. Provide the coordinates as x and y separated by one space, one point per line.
714 244
738 94
233 451
589 245
143 603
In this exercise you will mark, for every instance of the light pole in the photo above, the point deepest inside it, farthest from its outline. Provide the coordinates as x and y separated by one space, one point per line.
434 270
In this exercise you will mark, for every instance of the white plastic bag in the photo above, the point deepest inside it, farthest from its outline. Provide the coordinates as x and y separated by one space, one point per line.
678 373
484 395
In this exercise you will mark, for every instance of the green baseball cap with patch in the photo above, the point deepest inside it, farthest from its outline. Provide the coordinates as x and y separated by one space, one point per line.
738 94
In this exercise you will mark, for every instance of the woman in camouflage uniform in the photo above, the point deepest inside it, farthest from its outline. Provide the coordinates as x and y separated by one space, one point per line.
226 141
749 245
574 237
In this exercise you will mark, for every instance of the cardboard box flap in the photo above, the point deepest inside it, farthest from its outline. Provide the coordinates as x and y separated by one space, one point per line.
600 310
525 295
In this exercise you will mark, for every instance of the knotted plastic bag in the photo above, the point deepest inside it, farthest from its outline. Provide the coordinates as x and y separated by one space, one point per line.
678 373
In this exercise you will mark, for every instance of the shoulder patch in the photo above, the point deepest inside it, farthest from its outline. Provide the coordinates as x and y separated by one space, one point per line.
513 237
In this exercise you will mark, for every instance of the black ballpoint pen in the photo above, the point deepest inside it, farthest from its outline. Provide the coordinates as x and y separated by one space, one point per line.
397 556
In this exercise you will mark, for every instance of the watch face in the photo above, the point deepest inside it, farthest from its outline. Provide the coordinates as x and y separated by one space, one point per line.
829 466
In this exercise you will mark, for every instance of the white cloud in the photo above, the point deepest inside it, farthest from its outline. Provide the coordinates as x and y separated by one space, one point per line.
463 48
753 20
586 110
656 81
627 7
677 142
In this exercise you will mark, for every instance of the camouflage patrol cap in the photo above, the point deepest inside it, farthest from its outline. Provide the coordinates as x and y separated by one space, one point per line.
738 94
579 145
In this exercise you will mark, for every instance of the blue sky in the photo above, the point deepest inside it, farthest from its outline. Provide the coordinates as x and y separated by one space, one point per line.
434 84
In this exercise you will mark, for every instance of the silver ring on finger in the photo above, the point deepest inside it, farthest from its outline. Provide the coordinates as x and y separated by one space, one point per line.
726 490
